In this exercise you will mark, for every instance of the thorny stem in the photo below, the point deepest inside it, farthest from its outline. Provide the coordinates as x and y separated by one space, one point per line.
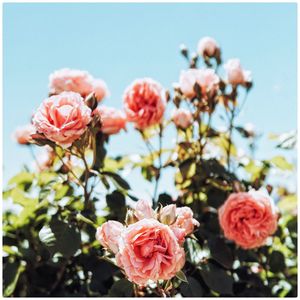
69 169
86 178
230 136
159 162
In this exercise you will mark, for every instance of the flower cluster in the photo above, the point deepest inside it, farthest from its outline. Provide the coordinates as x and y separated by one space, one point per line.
149 246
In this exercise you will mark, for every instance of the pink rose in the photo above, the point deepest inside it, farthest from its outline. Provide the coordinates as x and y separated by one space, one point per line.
149 251
100 89
235 73
182 118
144 103
113 120
207 46
143 210
108 235
248 218
23 134
81 82
206 78
167 214
62 118
185 220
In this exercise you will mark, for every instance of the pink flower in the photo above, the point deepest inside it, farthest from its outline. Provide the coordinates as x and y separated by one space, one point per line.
23 134
248 218
108 235
182 118
185 220
144 103
62 118
100 89
149 251
81 82
113 120
207 46
235 73
206 78
143 210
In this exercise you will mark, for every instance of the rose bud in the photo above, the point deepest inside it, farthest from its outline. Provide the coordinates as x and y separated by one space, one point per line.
167 214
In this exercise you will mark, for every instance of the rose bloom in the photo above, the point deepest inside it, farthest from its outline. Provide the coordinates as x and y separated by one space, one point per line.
77 81
235 73
144 103
62 118
248 218
149 251
108 235
143 210
206 78
23 134
185 220
113 120
182 118
207 46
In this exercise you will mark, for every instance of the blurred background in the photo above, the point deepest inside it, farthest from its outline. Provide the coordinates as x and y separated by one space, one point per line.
122 42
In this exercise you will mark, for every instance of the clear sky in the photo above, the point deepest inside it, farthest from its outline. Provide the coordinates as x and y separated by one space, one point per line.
122 42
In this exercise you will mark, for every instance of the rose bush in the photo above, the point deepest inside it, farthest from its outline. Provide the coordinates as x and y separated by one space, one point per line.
75 227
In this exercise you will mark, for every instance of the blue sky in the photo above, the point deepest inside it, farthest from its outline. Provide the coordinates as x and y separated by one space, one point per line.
121 42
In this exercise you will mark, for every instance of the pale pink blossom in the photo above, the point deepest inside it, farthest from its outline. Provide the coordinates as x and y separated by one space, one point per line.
62 118
149 250
235 73
112 120
207 79
144 103
143 210
207 46
182 118
78 81
108 235
23 134
185 220
248 218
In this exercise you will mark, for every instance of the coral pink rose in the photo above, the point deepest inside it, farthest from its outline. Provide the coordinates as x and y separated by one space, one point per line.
143 210
144 103
149 251
182 118
81 82
100 89
113 120
108 235
23 134
185 220
235 73
207 46
248 218
206 78
62 118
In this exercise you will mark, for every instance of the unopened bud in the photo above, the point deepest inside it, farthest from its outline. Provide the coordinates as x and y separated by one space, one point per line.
184 50
91 101
130 217
168 214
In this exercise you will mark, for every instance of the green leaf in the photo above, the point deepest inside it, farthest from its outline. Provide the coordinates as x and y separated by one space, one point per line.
21 178
11 274
60 237
281 163
121 288
192 288
118 180
220 252
181 276
217 279
288 204
187 168
277 263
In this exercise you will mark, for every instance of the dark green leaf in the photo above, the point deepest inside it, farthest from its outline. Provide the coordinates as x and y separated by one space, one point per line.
118 180
277 263
191 289
121 288
220 252
217 279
